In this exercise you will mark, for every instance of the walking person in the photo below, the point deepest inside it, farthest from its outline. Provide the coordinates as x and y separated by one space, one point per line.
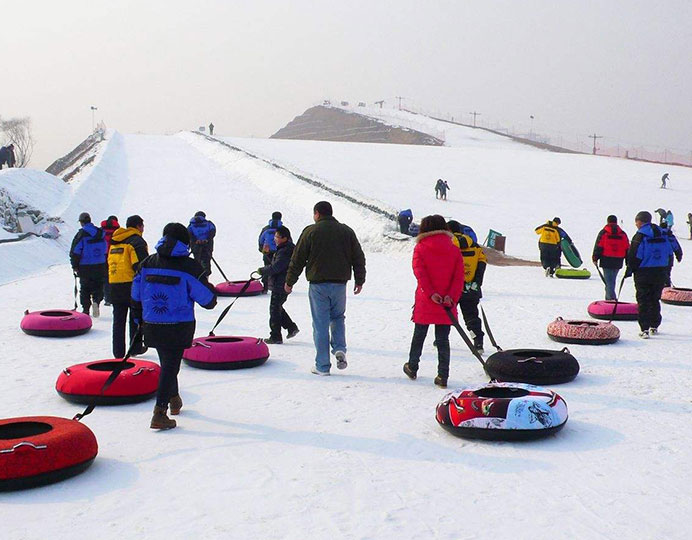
439 269
444 186
689 222
276 277
328 250
438 187
202 233
88 259
549 245
164 292
664 181
128 249
109 226
211 128
609 253
7 156
647 259
267 246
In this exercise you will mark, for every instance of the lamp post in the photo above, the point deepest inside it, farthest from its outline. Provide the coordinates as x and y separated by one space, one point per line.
93 118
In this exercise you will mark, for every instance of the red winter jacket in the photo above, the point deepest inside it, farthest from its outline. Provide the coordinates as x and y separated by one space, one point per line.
439 268
109 226
610 247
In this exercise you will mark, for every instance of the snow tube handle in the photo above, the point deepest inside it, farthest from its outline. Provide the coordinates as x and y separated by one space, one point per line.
565 350
22 445
67 371
252 274
200 344
142 370
530 359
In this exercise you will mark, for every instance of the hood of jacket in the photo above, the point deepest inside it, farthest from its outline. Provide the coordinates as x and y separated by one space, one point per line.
274 223
170 247
435 236
122 234
92 230
648 230
198 220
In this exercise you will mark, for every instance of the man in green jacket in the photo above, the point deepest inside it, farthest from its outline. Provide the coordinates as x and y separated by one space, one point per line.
328 250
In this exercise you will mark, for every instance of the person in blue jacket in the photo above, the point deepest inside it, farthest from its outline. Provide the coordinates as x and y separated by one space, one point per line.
267 245
404 218
202 233
164 292
647 259
88 255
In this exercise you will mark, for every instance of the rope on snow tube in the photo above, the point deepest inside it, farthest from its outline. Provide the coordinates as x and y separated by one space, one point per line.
39 450
583 332
82 383
502 411
226 352
55 323
532 366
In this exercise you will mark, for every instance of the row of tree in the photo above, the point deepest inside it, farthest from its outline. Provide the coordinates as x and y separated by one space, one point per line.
17 131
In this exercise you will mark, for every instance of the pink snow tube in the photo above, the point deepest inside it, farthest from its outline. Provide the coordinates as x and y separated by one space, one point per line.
233 288
677 296
226 352
583 332
603 309
55 323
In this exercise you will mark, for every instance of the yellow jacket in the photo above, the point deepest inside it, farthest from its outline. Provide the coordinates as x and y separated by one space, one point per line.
474 258
549 233
127 246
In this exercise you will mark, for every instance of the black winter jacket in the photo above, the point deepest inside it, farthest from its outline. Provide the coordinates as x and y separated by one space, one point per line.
276 271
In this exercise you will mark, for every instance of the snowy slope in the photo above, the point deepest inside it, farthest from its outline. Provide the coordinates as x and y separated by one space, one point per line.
275 452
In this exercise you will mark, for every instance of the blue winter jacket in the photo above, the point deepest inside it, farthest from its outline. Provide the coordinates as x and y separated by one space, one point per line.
200 228
88 247
266 236
650 249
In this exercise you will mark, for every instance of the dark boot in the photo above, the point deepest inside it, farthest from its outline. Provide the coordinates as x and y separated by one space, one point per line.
409 372
441 382
176 403
160 419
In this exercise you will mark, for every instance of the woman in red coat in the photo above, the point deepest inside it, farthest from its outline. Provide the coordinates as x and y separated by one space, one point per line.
439 268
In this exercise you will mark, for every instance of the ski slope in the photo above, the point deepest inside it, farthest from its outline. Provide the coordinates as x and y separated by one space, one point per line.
275 452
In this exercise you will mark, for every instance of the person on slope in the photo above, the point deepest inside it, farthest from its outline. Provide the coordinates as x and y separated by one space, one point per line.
438 187
7 156
328 250
404 218
549 245
609 252
128 249
444 186
211 128
109 226
439 269
475 264
664 181
675 246
276 278
202 233
689 222
267 246
88 259
647 259
164 292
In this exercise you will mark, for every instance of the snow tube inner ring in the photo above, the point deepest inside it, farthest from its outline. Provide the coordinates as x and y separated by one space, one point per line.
55 313
20 430
226 352
109 366
55 323
224 339
532 366
501 392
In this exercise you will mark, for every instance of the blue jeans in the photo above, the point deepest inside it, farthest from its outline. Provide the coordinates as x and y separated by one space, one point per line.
327 306
610 275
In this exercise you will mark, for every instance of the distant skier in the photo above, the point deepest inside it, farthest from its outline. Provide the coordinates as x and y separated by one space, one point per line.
88 259
610 250
267 245
211 128
689 222
664 181
202 233
405 218
549 245
7 156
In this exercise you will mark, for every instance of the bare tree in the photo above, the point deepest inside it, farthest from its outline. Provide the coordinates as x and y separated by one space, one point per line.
18 132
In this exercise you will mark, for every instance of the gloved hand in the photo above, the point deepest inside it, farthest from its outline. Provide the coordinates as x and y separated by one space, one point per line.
260 270
436 297
472 286
137 321
594 260
679 258
447 301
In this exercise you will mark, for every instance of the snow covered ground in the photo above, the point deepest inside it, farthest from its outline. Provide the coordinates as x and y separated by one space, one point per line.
275 452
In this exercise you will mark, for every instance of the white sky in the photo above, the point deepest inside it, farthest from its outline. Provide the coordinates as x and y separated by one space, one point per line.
622 68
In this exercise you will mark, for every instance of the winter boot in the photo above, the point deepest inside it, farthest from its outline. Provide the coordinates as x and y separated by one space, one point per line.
273 341
653 331
441 382
478 344
292 333
644 334
160 419
409 372
341 362
176 403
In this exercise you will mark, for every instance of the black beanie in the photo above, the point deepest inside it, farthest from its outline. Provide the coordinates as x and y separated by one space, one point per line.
276 215
612 219
178 232
200 213
557 220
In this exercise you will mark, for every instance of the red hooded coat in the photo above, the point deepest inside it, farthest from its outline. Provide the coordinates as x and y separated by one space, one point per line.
439 268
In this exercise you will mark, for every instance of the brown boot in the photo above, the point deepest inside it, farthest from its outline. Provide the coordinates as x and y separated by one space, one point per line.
176 403
441 381
160 419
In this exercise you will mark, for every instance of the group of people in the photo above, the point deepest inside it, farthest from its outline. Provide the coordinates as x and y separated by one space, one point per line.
441 188
7 156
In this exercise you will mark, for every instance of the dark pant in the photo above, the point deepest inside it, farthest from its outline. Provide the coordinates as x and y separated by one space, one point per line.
278 318
550 255
90 288
119 322
649 302
267 260
107 292
442 340
202 255
469 309
168 380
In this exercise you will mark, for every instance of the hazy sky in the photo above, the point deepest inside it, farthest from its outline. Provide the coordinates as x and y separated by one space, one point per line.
622 68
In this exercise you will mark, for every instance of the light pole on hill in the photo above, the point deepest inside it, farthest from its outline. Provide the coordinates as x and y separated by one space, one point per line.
594 137
400 98
93 118
474 114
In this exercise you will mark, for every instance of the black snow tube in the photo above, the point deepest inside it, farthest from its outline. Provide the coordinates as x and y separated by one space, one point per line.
532 366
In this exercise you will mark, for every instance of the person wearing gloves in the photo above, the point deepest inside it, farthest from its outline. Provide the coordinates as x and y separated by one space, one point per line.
164 292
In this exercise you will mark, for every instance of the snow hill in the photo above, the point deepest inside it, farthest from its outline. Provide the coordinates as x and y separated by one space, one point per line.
275 452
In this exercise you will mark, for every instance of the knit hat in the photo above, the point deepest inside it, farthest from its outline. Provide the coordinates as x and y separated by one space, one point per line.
612 219
200 214
276 216
178 231
557 220
84 217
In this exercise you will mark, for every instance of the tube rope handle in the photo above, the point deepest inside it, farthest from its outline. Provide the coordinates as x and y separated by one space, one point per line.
469 344
217 266
229 306
489 332
23 444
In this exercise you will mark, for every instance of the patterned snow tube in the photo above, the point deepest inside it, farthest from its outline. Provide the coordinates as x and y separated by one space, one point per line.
502 412
233 288
572 273
583 332
532 366
55 323
82 383
603 309
39 450
677 296
226 352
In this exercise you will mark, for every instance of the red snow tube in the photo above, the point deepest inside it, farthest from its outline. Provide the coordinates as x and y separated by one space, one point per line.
55 323
583 332
82 383
233 288
226 352
38 450
502 412
603 309
677 296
